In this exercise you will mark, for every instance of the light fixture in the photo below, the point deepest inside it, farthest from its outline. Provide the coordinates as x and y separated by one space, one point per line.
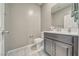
30 12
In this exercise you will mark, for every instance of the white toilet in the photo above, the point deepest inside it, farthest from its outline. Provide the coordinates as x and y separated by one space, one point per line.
38 46
39 42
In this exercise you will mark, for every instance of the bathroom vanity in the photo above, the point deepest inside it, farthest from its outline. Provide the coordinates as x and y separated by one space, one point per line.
61 43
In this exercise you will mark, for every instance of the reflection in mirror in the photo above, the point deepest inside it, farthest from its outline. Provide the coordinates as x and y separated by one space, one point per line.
75 12
61 16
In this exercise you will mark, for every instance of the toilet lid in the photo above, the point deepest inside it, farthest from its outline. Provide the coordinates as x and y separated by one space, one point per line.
38 40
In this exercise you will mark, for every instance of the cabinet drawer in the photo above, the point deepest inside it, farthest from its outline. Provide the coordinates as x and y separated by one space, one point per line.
49 35
59 37
64 38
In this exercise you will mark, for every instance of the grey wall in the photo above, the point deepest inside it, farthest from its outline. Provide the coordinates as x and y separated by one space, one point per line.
22 27
46 19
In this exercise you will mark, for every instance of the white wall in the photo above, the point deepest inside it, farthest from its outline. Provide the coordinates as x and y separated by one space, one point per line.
1 15
46 20
22 21
1 28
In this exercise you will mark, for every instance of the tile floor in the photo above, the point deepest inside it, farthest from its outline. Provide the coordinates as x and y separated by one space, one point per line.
41 53
27 52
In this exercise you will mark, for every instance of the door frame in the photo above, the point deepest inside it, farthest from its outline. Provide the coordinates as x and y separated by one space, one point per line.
2 27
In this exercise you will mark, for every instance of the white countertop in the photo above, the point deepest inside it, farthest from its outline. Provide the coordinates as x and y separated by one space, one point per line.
64 33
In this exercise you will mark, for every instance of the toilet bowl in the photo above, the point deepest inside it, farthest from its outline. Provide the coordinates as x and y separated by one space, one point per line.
39 43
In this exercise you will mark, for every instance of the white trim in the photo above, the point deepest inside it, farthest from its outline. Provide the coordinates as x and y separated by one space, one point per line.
2 11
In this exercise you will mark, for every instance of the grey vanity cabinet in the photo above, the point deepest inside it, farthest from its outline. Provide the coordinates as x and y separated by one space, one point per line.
60 45
54 48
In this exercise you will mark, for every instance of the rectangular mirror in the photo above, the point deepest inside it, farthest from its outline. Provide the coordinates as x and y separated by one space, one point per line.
58 13
61 15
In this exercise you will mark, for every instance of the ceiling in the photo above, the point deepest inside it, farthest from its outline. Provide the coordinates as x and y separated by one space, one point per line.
40 4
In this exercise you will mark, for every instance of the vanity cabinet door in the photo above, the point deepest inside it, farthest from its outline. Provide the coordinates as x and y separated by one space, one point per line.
48 46
63 49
